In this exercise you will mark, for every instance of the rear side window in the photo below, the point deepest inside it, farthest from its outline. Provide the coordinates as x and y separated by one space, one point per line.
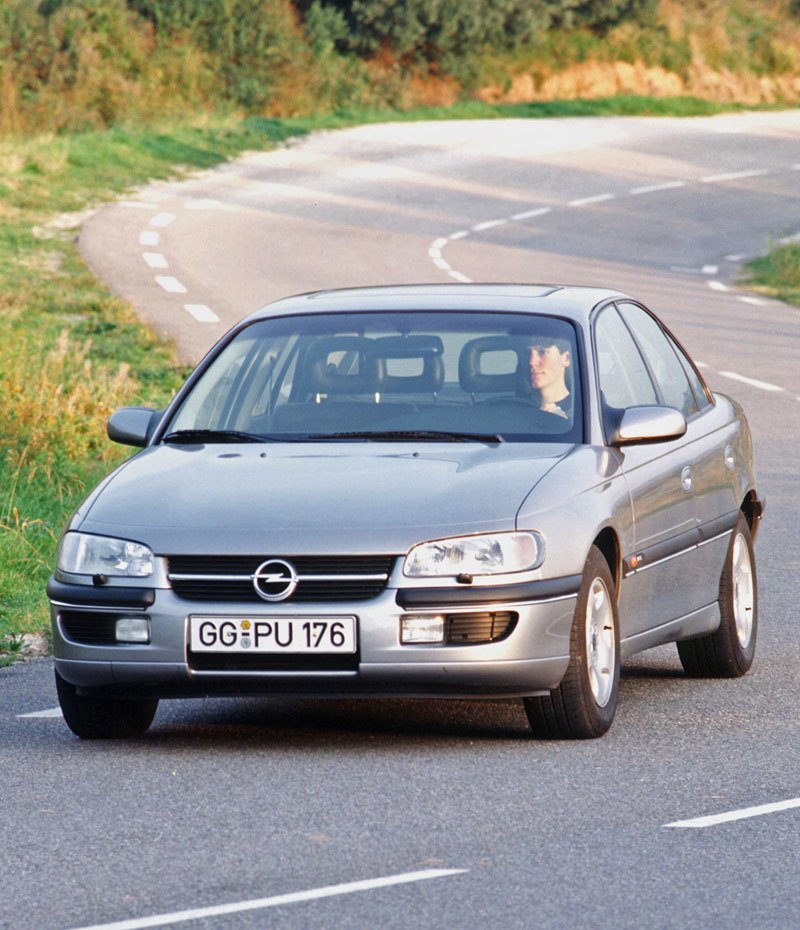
662 358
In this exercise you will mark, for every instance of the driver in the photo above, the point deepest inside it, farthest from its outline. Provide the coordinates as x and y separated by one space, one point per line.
549 360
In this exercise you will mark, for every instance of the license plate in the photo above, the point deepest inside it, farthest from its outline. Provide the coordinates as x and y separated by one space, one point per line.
273 634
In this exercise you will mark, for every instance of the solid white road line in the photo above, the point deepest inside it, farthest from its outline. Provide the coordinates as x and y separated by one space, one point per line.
314 894
202 313
741 814
52 712
761 385
171 285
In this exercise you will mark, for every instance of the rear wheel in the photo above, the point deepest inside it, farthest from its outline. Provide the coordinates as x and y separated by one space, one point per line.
728 652
103 718
584 704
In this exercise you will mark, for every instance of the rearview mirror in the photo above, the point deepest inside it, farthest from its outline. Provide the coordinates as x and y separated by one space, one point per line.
133 426
650 423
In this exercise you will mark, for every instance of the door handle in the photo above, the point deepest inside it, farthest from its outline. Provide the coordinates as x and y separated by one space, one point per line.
686 478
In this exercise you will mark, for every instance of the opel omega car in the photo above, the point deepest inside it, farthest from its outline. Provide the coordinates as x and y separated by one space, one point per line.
453 491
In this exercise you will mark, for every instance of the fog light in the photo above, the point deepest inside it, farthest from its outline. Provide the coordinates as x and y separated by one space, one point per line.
132 630
422 630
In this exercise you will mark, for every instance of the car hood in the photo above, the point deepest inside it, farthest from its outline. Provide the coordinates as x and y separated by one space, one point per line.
345 498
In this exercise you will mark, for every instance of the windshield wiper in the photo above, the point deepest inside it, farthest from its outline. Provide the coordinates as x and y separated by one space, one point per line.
428 435
213 435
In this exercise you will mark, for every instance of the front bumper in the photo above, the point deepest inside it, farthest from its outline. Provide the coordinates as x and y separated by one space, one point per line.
530 659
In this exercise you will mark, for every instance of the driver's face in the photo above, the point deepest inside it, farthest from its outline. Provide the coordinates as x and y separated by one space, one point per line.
548 364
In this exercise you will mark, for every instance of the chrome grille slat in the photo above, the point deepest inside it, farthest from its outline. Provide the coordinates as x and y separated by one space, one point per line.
320 578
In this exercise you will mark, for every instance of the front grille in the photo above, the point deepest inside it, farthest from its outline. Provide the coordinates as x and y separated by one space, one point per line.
230 578
480 628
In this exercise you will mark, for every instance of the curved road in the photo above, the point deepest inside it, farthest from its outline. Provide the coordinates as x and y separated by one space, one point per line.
228 806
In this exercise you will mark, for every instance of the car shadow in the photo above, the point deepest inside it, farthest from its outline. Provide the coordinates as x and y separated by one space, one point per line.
343 722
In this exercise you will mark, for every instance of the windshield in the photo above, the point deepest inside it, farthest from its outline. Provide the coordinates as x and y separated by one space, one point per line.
356 376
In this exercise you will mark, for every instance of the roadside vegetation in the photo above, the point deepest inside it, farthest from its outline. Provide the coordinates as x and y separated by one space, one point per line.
99 96
777 274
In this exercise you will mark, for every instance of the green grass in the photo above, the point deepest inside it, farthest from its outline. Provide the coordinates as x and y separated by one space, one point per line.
777 273
70 352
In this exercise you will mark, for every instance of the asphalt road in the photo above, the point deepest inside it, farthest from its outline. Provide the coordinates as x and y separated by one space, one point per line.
470 823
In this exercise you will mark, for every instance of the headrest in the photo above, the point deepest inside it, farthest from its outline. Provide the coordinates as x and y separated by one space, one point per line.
491 365
409 364
342 365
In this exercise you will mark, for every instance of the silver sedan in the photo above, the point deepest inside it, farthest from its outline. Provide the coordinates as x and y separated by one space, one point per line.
457 491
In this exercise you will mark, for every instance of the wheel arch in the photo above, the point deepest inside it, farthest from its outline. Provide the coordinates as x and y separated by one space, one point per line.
608 544
753 509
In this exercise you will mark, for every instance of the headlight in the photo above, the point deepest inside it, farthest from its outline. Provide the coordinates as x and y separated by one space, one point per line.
476 555
84 554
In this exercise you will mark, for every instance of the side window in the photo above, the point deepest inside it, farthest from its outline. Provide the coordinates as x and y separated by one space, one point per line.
662 358
694 379
623 376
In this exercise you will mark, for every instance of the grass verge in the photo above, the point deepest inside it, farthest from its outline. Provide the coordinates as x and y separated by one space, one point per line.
777 274
70 352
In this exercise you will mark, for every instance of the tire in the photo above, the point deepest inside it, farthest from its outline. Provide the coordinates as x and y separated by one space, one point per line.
103 718
584 704
729 651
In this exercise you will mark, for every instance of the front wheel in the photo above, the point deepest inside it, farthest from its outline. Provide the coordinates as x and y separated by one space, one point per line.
729 651
584 704
103 718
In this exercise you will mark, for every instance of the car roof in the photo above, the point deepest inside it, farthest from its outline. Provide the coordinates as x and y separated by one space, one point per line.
572 302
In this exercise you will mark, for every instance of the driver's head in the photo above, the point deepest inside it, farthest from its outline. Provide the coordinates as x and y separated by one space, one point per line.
549 360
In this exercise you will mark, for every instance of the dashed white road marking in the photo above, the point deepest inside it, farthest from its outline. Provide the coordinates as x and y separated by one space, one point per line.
585 201
753 301
202 313
155 259
530 214
738 257
162 219
138 205
742 814
314 894
734 176
718 286
753 382
654 188
710 269
459 234
489 224
42 714
149 237
171 285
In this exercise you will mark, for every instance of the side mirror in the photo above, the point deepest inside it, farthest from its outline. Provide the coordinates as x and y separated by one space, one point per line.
649 423
133 426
